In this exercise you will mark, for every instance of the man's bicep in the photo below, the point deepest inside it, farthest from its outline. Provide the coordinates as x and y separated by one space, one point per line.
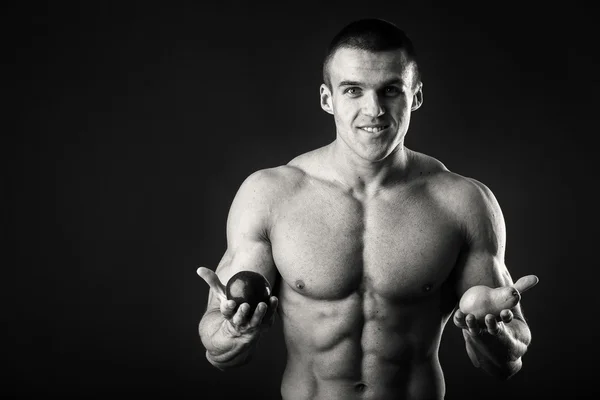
481 261
248 222
480 267
249 255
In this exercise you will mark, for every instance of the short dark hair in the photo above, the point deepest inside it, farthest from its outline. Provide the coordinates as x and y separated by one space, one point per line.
371 34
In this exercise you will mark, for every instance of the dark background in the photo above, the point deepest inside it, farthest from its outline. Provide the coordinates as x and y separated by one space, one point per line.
134 125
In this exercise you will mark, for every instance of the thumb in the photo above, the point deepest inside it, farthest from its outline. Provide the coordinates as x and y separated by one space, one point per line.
213 281
525 283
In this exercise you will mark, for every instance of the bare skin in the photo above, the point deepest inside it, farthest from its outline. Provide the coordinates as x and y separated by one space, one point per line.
370 246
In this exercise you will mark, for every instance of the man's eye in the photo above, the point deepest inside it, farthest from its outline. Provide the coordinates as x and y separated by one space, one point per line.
353 91
391 90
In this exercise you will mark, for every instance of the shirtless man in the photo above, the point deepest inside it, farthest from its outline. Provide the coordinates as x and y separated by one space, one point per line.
369 245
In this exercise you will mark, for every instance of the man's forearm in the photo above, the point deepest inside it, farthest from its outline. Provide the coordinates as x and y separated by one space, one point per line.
232 354
500 355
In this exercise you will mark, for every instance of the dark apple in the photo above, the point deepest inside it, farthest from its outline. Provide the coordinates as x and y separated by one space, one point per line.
248 287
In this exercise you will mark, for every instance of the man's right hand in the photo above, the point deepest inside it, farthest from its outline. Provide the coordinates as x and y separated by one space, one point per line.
240 328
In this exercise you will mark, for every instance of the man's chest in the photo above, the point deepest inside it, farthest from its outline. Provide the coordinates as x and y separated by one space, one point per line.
328 246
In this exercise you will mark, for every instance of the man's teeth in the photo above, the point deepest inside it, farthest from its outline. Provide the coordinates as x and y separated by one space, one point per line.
373 129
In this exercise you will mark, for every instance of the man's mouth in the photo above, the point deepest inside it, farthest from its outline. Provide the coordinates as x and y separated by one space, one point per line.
374 128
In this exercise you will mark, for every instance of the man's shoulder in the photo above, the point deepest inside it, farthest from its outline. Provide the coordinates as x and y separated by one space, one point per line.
281 177
462 192
277 183
273 184
458 191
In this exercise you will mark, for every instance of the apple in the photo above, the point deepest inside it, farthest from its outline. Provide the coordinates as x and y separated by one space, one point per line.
248 287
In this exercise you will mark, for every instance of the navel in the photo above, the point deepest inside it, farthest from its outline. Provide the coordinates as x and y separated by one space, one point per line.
300 284
360 387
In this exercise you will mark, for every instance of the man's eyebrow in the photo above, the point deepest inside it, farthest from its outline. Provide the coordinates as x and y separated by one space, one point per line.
393 81
350 83
356 83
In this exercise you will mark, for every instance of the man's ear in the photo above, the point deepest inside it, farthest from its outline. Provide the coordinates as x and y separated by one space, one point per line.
326 103
417 98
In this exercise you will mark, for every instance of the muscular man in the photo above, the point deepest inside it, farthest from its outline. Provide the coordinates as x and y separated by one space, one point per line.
369 244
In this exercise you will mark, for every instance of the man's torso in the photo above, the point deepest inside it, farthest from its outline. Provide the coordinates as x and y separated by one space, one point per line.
366 285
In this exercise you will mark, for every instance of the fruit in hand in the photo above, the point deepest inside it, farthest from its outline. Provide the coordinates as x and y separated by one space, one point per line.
248 287
482 300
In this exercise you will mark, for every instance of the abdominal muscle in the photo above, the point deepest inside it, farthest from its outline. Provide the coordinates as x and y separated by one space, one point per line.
362 347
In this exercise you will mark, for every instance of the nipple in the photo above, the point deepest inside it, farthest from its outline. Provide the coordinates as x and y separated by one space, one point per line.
299 284
427 287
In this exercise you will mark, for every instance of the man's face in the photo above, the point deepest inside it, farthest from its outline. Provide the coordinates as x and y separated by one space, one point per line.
371 98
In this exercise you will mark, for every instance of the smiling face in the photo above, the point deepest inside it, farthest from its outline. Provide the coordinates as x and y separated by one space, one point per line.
371 97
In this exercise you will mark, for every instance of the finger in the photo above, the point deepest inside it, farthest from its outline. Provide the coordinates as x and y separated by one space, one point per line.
492 324
270 313
259 313
472 325
242 315
506 316
273 302
228 308
459 319
213 281
525 283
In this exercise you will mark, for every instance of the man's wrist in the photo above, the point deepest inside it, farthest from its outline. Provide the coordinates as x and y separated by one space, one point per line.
214 362
223 364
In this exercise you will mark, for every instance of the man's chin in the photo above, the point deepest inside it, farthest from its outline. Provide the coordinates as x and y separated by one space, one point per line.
375 156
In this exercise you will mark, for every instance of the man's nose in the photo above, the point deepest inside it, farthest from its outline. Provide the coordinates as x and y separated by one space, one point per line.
372 105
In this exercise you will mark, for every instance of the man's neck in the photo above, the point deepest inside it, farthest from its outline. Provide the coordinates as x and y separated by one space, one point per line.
364 176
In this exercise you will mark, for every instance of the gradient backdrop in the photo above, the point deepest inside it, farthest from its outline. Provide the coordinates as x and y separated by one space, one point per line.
136 124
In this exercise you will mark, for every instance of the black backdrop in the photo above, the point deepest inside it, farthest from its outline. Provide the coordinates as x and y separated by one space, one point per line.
135 124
